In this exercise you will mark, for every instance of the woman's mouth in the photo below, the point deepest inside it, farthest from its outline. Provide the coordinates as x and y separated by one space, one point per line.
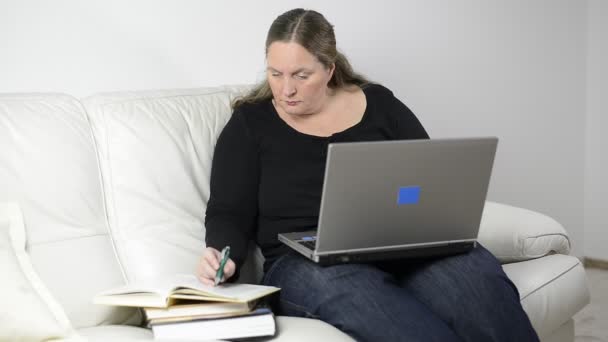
292 103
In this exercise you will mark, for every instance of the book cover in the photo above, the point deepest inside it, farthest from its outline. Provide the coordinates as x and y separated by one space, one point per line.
200 309
151 322
257 323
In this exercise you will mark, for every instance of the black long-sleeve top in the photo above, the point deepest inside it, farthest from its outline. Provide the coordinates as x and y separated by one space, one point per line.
266 177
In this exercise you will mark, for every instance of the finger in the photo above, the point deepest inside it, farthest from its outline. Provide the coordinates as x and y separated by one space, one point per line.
200 267
212 258
203 266
205 270
229 268
210 272
206 281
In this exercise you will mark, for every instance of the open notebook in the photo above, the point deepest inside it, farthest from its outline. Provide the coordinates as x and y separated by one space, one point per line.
162 292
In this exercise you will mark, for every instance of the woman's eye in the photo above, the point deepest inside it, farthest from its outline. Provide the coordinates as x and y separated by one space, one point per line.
302 77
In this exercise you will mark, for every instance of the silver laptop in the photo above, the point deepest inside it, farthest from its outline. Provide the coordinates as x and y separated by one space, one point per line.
399 199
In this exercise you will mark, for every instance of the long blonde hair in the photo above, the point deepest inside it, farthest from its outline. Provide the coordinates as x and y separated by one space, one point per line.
311 30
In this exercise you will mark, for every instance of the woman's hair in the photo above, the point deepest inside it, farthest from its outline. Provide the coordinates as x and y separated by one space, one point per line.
311 30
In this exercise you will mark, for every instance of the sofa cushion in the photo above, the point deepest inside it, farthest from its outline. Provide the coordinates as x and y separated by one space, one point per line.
30 313
289 329
48 165
155 151
516 234
552 289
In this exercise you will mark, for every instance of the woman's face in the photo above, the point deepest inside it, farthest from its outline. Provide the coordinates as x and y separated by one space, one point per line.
297 79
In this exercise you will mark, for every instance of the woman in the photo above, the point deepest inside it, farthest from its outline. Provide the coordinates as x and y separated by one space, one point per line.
266 179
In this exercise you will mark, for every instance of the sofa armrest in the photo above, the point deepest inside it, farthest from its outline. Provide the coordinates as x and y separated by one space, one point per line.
515 234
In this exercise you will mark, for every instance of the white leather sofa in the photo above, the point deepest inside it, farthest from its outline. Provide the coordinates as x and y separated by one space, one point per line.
112 188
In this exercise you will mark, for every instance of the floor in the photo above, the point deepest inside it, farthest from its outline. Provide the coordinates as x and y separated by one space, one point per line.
591 324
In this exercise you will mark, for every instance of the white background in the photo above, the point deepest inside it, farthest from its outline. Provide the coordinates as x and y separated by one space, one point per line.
533 73
596 137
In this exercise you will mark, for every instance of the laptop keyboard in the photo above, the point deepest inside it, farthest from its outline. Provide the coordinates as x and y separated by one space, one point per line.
309 242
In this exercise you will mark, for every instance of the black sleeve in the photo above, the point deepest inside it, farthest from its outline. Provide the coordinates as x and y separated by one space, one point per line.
232 209
407 124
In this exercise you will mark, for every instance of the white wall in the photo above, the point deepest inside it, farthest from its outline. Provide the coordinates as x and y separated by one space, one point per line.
596 181
514 69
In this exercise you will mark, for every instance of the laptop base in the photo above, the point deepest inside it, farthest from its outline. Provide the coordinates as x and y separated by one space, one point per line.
413 253
294 240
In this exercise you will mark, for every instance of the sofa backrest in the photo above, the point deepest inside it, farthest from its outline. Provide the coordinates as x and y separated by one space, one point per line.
48 164
155 151
113 193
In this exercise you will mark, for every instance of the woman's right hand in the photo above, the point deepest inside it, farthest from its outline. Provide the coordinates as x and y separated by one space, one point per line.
209 264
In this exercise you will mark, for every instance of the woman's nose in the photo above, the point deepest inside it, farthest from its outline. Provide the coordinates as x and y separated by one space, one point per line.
289 89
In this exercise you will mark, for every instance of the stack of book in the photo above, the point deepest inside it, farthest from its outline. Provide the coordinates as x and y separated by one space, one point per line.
181 307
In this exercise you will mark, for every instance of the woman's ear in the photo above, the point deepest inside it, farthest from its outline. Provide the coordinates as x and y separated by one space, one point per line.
331 70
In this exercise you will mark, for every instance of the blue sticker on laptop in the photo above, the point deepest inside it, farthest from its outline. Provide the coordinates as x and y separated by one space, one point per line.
408 195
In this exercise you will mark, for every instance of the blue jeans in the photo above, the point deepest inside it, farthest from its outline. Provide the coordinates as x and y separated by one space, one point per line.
465 297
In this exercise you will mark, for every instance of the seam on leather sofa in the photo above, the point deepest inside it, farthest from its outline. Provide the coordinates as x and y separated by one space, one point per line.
524 256
552 234
551 280
33 96
100 174
108 176
536 256
137 97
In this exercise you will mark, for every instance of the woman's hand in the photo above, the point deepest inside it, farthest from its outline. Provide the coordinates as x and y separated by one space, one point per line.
209 264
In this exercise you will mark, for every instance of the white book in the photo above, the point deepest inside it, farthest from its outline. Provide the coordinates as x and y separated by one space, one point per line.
162 292
256 324
198 309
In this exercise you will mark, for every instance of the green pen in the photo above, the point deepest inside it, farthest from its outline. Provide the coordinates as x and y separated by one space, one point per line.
220 271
